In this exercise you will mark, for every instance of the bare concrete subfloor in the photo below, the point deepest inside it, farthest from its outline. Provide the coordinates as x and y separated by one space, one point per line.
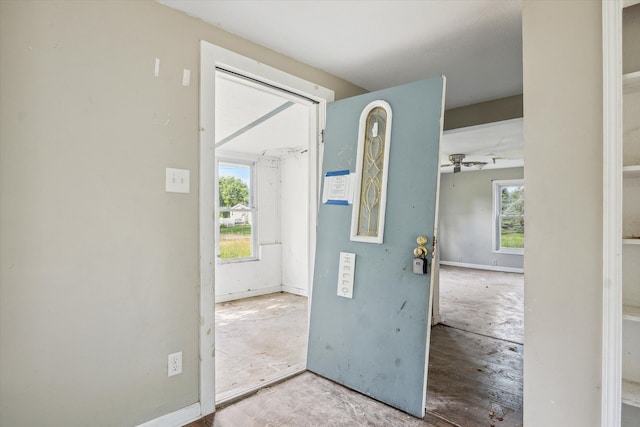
258 340
474 379
484 302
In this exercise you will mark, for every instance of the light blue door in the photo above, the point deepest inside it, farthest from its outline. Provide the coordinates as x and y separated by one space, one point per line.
377 342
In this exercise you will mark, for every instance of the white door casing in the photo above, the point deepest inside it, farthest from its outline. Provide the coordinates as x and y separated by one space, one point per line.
212 57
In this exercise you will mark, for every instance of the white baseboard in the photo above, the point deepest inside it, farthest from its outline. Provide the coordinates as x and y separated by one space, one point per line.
295 290
177 418
483 267
247 294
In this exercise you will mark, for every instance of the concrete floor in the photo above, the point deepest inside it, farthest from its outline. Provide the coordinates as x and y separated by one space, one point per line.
474 379
259 340
485 302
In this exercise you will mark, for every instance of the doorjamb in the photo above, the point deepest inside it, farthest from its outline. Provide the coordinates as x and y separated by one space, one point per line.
212 56
611 400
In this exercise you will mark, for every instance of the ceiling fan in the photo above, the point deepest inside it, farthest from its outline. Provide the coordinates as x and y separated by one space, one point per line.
457 163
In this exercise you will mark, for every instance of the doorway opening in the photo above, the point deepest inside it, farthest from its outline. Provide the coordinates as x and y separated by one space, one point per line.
212 59
264 180
479 307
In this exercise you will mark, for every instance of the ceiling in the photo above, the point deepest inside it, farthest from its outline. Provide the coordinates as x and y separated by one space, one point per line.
260 121
477 44
499 144
255 120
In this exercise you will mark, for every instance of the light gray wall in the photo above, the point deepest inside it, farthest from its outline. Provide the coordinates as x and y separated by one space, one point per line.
563 262
466 218
99 266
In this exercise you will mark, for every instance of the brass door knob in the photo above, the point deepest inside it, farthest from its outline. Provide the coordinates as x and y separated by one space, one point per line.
421 251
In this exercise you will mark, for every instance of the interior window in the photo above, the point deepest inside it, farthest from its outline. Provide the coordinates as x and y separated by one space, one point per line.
237 212
509 216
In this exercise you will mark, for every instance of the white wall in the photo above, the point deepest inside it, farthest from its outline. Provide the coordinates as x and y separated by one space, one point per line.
294 176
242 279
283 233
562 54
466 219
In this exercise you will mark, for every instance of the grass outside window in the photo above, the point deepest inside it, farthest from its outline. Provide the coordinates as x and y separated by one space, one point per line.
236 241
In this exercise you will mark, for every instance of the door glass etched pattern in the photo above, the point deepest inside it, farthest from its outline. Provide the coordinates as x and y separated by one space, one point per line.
372 173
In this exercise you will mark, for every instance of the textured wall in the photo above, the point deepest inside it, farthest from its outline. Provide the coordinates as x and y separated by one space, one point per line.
99 272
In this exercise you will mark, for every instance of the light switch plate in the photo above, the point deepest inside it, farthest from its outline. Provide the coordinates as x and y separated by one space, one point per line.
177 180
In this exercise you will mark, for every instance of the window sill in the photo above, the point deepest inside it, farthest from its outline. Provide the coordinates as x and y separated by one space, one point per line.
236 260
509 251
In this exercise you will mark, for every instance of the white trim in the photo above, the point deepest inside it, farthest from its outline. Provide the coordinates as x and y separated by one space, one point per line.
228 60
229 397
355 211
253 207
317 119
627 3
247 294
177 418
483 267
497 202
612 214
297 99
435 252
295 290
212 56
433 312
207 223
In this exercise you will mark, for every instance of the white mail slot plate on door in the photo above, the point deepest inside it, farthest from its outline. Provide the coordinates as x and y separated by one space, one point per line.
346 271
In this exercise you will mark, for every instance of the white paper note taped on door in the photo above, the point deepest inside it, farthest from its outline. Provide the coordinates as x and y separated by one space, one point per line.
338 188
346 270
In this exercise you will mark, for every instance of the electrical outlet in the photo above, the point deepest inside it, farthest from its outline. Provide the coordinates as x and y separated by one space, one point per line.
174 367
494 262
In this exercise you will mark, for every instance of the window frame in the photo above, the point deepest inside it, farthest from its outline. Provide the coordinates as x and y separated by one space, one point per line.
253 208
498 185
355 212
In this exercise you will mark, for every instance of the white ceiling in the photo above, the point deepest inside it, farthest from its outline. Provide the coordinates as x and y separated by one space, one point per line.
499 144
476 44
244 123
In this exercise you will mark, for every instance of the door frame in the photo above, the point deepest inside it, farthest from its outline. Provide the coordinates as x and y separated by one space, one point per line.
212 57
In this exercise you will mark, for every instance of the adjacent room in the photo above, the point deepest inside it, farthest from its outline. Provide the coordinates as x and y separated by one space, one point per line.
481 230
263 143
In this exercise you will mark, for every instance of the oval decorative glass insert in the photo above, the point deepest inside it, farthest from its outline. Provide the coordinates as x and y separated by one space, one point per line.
367 223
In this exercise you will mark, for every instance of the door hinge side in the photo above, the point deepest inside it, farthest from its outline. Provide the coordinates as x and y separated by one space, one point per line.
322 136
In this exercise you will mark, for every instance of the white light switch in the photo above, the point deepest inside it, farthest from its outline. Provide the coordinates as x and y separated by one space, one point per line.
346 272
177 181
